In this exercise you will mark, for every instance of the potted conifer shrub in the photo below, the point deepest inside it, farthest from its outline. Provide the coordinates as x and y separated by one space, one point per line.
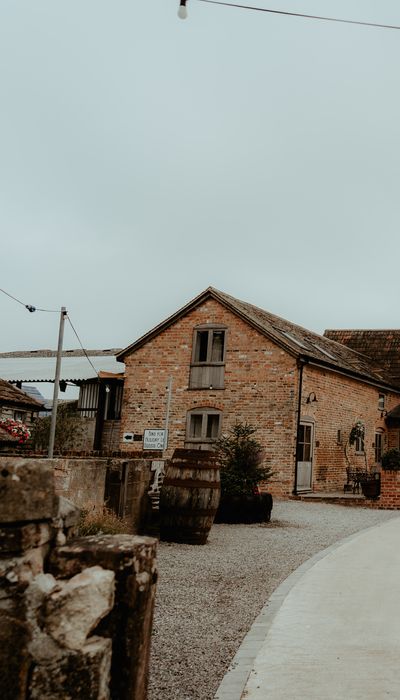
242 465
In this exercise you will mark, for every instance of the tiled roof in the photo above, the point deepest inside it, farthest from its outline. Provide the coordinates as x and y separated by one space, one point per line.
9 394
296 340
381 346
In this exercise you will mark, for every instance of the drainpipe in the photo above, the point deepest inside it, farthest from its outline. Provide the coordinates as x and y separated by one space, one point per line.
300 363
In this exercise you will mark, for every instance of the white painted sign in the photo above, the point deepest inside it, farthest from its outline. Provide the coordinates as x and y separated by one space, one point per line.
127 437
155 439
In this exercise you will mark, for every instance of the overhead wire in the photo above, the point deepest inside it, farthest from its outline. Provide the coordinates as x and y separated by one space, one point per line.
302 15
30 307
35 308
80 343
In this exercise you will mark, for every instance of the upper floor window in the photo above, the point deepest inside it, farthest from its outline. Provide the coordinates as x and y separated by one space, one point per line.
381 402
208 358
209 345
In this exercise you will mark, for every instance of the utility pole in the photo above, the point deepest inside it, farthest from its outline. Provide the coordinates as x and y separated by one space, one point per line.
63 314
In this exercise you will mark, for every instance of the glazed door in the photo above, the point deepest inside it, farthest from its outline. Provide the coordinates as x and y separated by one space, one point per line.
304 457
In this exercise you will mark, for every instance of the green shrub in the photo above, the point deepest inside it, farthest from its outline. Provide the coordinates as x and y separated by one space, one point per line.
391 460
69 430
241 458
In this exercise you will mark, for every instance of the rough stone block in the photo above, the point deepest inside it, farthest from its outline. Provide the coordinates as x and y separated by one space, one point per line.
19 538
20 570
77 675
74 610
129 624
26 490
14 657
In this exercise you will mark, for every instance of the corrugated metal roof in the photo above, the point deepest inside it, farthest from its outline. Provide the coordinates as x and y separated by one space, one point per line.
42 369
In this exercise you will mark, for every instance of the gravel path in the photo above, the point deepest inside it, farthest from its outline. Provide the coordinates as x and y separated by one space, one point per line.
208 596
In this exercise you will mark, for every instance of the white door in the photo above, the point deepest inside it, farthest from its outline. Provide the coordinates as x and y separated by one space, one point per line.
304 457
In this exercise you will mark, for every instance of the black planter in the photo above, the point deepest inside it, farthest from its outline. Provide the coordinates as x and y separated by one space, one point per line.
244 509
372 487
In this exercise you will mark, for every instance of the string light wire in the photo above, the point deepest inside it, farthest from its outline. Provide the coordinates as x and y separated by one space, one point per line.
302 15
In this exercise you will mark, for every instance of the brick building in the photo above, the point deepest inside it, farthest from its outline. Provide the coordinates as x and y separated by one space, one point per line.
229 361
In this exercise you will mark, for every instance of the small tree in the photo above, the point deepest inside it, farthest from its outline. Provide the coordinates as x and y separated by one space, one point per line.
69 430
241 458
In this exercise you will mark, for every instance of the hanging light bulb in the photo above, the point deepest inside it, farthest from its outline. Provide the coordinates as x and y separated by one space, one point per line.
182 10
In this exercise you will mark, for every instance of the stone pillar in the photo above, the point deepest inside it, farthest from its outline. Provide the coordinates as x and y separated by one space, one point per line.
130 622
27 508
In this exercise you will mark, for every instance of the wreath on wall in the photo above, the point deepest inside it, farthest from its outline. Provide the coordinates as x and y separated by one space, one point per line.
357 433
15 428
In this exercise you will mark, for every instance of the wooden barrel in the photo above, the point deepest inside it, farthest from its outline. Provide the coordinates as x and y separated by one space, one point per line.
189 497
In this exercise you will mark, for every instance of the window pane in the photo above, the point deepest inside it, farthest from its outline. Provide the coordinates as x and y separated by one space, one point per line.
307 453
195 425
200 354
217 350
212 426
301 433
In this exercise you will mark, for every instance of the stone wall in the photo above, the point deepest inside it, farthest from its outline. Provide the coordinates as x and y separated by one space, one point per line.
75 614
81 480
120 483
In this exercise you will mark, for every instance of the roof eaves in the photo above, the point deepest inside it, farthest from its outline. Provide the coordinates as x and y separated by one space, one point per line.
368 378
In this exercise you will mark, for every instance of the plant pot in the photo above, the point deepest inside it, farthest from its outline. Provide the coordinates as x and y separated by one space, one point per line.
244 508
371 488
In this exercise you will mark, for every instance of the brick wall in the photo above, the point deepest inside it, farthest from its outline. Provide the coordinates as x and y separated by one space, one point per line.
341 401
260 388
390 490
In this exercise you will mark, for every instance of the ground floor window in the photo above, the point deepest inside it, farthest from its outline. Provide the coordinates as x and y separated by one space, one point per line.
378 447
203 427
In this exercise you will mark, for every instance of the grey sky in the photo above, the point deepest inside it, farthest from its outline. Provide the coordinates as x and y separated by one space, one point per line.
144 158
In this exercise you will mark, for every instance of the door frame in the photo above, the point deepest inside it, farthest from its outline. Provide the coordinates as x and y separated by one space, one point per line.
309 422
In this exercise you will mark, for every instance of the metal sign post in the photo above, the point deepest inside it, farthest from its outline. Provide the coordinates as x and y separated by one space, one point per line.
169 393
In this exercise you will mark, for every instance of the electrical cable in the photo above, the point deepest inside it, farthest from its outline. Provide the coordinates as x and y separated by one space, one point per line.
30 307
80 343
302 15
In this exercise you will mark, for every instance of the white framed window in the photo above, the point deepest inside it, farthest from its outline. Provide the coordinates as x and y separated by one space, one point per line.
381 402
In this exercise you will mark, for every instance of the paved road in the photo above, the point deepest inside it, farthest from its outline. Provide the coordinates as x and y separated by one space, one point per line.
335 633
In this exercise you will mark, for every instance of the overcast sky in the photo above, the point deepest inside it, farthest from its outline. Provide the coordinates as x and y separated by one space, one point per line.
144 158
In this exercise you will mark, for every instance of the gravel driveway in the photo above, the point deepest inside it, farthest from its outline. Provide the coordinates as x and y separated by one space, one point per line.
208 596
